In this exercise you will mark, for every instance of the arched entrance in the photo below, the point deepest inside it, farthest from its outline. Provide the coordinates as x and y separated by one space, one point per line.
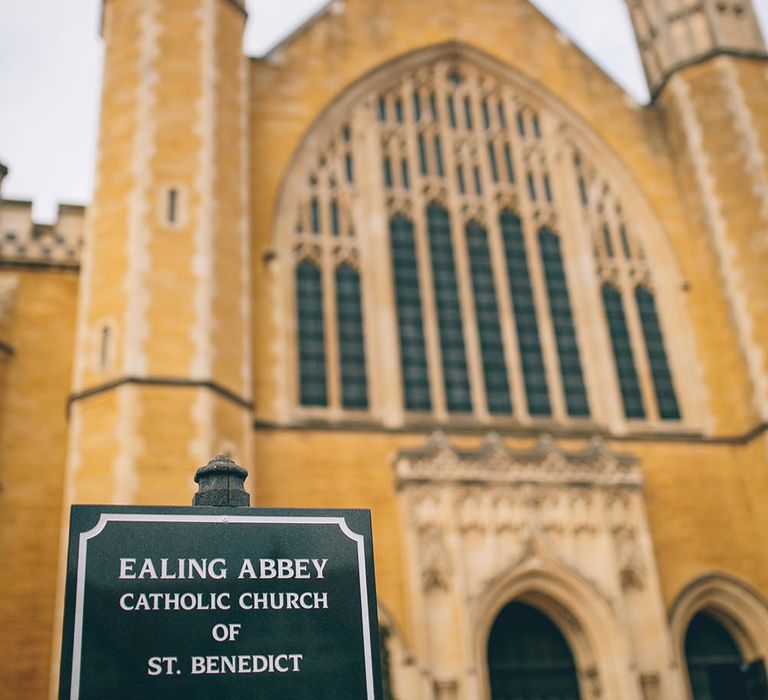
716 666
529 658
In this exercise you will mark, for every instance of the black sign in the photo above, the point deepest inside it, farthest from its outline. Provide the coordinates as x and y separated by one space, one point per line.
220 603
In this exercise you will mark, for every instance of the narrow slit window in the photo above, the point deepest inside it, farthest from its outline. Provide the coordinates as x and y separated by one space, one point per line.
311 332
488 323
172 208
387 172
349 168
423 155
521 124
315 214
562 320
625 242
399 115
493 162
335 220
468 113
105 348
354 383
624 359
439 156
666 397
509 163
460 179
416 106
502 115
486 114
452 111
413 354
458 397
405 174
548 188
526 321
433 106
382 109
532 187
607 241
478 181
536 126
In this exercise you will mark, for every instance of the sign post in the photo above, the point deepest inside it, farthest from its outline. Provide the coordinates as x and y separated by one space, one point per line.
217 601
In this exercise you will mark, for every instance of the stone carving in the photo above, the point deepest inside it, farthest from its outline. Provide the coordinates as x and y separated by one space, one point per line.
494 463
435 558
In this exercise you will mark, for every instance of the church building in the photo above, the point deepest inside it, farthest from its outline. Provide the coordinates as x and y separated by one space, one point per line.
423 257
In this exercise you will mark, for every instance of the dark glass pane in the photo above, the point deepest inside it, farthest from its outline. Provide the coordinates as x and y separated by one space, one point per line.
416 106
625 242
531 187
528 657
502 115
405 174
493 162
562 320
449 322
486 115
413 356
509 162
714 661
423 155
478 181
622 353
520 124
315 215
433 106
399 110
468 113
666 398
534 376
382 109
349 167
488 323
451 111
354 387
387 172
335 225
460 178
439 156
311 336
583 191
607 241
547 188
536 126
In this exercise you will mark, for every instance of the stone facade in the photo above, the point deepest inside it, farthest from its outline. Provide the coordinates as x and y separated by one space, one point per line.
164 326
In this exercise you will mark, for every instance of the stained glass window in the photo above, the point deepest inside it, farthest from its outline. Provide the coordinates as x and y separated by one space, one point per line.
666 398
309 307
534 374
562 320
488 321
354 386
624 359
455 377
413 355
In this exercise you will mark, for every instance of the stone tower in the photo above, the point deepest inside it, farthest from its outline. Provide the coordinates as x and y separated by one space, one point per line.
162 370
707 69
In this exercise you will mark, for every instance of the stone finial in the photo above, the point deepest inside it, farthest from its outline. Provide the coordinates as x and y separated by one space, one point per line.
221 483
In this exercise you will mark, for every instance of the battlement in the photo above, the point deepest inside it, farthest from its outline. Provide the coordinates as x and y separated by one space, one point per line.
24 241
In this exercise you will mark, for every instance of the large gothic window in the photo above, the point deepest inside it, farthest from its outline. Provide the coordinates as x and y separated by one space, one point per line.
528 657
503 280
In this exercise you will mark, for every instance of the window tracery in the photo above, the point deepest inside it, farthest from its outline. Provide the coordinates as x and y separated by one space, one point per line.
490 214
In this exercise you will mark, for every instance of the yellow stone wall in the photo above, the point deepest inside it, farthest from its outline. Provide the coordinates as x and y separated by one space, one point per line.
33 433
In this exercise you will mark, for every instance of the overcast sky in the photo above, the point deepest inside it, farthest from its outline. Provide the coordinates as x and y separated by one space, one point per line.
50 69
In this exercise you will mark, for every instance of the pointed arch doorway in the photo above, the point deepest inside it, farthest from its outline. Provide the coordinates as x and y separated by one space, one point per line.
529 658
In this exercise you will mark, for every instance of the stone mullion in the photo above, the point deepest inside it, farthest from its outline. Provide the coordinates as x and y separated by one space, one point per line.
372 232
328 270
536 267
426 286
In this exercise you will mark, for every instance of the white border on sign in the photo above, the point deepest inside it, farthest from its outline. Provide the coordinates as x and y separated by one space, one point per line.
263 519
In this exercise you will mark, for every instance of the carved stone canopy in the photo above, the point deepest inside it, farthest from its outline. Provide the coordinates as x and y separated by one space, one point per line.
493 462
